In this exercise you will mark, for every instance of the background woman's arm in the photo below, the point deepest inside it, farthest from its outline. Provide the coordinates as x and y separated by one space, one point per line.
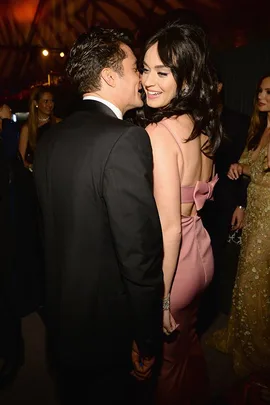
23 140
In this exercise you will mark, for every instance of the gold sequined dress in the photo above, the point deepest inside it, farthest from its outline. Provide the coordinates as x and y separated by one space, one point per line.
247 336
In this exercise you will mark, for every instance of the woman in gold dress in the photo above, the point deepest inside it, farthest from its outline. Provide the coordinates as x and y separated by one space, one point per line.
247 336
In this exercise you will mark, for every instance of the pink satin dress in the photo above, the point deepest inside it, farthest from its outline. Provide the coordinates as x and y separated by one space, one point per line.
183 378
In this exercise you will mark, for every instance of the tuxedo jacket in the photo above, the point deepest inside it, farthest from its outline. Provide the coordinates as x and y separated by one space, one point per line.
228 194
102 239
217 214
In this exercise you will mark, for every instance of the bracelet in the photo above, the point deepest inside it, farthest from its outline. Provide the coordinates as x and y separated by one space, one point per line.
166 303
240 207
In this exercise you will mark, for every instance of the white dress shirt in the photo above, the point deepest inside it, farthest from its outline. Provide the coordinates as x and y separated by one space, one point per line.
115 109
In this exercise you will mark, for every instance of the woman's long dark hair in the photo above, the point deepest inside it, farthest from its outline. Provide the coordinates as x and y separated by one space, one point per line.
258 121
184 49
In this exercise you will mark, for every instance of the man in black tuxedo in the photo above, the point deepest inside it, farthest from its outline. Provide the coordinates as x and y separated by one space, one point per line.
102 235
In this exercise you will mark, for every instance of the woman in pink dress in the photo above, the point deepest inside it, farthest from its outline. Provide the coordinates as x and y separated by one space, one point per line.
180 87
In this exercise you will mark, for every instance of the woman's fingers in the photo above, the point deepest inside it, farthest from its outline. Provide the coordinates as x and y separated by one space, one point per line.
235 171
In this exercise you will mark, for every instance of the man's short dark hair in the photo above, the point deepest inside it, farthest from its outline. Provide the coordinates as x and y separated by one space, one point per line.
93 51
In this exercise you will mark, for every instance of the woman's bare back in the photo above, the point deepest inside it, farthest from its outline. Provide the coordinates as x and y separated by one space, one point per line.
193 164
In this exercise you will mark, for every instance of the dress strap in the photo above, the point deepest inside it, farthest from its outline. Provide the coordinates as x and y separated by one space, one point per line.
172 134
202 190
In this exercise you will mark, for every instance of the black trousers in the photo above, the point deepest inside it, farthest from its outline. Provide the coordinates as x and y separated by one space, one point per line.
216 219
113 387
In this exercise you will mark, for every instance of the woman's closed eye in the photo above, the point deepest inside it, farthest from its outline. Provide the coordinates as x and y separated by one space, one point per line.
162 74
144 70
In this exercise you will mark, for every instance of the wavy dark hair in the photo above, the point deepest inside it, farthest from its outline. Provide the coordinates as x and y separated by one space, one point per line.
185 50
258 120
93 51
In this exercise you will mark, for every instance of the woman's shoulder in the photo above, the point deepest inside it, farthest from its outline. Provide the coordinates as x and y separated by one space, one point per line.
179 126
160 125
24 128
184 121
162 135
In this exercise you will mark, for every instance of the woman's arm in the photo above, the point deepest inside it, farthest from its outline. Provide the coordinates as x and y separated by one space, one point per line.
242 167
243 161
246 170
168 198
23 140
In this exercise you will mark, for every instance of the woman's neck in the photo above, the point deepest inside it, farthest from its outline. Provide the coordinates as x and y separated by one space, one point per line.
42 117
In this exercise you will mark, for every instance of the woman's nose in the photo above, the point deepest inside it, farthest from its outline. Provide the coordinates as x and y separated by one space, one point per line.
148 79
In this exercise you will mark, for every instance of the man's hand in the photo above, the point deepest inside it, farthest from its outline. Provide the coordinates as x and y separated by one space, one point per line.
5 112
238 219
142 365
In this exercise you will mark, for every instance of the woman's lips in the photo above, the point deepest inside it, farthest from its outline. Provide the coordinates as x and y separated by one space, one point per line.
153 94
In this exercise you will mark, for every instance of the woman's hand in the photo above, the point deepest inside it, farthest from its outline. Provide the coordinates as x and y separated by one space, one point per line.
235 171
169 324
5 112
238 218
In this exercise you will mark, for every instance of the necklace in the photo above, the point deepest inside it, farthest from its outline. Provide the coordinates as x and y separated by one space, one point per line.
43 119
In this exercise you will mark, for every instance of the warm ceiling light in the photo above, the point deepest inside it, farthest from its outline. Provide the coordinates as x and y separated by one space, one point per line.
45 52
62 54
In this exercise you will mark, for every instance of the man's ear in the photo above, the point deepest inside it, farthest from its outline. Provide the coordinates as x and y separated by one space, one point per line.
109 76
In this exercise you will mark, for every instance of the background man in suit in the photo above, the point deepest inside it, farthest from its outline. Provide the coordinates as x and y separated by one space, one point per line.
224 214
102 235
11 342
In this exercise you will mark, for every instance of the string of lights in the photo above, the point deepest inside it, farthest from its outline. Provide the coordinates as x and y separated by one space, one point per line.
46 53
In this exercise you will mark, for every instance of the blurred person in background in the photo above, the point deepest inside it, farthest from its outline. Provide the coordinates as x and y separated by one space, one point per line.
223 216
41 117
9 132
22 283
11 343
